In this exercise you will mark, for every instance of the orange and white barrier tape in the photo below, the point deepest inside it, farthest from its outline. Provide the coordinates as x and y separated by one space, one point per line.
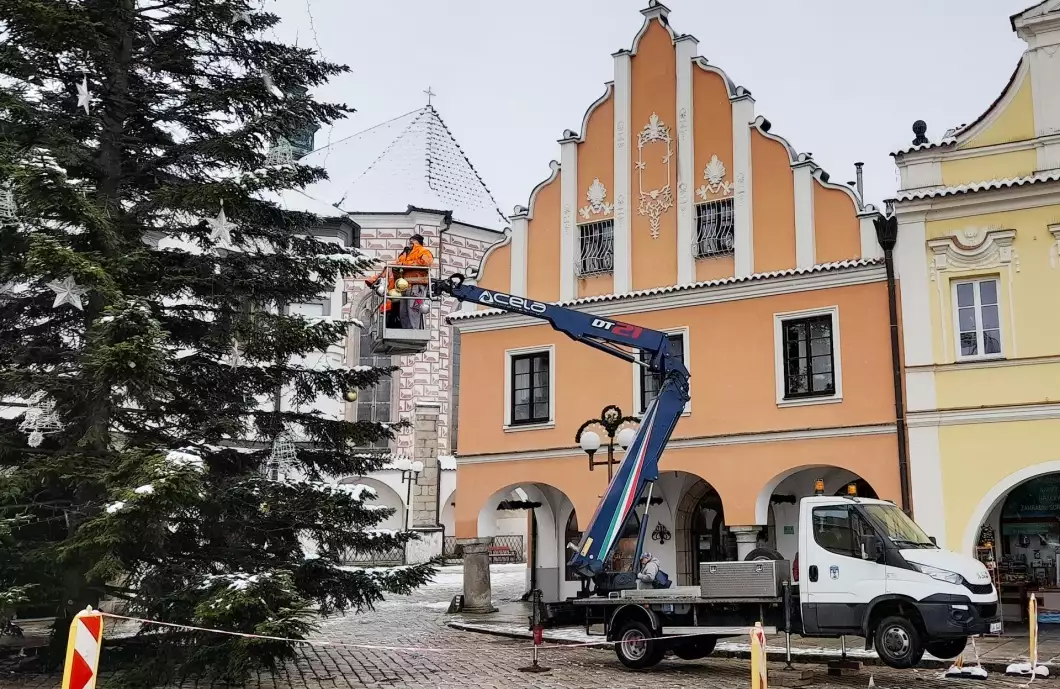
375 647
82 650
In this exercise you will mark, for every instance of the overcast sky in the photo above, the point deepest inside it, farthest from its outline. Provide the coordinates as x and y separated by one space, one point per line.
843 79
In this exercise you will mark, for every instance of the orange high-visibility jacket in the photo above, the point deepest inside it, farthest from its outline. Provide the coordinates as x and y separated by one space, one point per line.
418 256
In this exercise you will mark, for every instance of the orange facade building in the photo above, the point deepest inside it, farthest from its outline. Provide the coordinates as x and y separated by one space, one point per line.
677 208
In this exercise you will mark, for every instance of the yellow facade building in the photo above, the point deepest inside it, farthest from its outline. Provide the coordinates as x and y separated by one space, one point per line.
979 268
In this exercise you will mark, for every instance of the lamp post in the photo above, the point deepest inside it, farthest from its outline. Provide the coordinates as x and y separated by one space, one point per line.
410 471
613 423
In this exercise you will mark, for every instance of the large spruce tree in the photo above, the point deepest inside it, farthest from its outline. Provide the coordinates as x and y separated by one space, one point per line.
151 371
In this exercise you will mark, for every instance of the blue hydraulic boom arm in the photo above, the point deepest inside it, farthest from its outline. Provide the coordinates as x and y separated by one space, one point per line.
641 463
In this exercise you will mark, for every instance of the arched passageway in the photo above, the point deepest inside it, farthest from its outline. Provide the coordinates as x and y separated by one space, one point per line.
542 513
385 496
700 529
1017 526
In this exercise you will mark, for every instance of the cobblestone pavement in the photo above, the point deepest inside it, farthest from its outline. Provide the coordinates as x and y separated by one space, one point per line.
476 661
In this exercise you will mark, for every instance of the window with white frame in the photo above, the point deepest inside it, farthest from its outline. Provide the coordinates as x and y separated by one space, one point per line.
978 318
648 384
808 366
317 308
530 385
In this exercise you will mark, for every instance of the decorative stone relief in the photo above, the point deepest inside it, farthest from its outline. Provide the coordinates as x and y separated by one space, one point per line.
597 198
682 138
654 202
620 208
974 247
568 219
714 173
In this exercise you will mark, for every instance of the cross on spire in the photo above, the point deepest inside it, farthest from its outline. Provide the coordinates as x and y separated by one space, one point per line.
429 93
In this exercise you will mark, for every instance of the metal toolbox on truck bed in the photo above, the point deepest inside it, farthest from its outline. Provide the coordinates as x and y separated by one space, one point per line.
749 579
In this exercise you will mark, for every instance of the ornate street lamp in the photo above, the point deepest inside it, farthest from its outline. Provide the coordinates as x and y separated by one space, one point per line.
613 423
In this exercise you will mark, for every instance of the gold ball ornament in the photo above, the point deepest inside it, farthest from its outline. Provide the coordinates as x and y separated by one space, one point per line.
393 294
351 395
402 284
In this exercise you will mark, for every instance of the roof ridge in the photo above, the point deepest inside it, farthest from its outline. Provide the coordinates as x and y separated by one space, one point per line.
449 133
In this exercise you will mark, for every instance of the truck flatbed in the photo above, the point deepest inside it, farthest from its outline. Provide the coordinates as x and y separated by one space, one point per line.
677 599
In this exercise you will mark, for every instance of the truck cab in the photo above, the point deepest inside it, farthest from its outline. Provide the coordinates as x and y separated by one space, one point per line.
864 568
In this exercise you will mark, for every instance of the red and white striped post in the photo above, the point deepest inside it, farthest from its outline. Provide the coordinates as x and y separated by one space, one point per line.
82 650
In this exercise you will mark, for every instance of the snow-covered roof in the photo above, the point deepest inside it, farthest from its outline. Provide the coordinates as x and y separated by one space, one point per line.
411 160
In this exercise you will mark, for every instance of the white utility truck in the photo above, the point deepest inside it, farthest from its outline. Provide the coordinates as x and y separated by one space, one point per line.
863 568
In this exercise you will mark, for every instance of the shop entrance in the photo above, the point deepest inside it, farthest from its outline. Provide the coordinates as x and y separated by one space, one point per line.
1020 543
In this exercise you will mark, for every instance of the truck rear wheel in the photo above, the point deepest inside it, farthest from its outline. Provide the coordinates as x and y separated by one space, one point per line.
696 648
898 642
948 649
636 647
764 554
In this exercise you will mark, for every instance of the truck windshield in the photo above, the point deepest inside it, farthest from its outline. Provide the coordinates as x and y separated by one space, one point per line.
902 530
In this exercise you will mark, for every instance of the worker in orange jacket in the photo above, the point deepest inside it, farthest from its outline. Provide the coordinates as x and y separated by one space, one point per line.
408 314
415 254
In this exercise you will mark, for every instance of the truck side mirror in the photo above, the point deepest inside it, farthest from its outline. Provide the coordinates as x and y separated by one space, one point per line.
933 541
873 546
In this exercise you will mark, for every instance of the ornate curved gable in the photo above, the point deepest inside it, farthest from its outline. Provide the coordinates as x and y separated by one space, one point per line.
672 179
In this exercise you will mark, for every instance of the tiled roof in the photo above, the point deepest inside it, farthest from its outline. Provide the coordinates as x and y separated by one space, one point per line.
934 192
411 160
822 268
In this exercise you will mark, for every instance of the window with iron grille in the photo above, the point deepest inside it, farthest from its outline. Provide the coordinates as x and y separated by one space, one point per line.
650 383
374 403
530 393
596 247
714 228
809 357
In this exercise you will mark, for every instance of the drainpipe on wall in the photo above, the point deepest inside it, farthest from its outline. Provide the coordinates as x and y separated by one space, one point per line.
887 236
448 219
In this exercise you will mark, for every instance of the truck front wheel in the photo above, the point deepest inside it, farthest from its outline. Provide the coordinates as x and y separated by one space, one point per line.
948 649
898 642
636 646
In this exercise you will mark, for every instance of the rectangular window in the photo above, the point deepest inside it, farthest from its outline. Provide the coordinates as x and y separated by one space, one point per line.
714 228
311 309
650 383
596 248
374 404
809 357
978 319
530 383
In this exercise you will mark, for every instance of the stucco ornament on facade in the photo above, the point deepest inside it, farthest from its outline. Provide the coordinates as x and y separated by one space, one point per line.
682 139
714 173
1054 250
975 248
597 198
654 202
